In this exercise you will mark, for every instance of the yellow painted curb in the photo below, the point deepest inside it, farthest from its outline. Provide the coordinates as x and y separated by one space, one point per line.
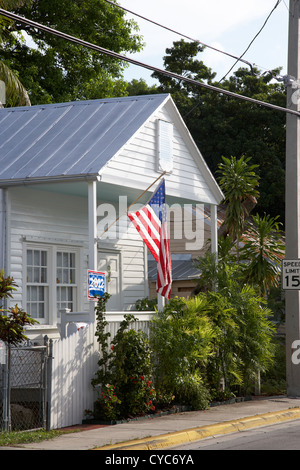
195 434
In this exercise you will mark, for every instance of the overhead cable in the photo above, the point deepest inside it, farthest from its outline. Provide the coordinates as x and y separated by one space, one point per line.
261 29
182 35
115 55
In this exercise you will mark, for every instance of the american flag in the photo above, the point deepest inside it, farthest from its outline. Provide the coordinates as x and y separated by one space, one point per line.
152 224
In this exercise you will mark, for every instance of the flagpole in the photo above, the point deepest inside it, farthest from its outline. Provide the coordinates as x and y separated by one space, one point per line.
134 202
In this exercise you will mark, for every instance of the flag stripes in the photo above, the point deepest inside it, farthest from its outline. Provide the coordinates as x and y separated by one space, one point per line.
152 225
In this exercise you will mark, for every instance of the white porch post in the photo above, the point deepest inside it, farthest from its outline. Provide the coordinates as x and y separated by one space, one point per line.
214 229
92 227
214 234
161 302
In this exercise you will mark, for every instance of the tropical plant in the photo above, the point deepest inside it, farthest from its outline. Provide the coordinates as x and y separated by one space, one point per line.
238 182
125 370
13 319
15 92
244 338
181 341
263 251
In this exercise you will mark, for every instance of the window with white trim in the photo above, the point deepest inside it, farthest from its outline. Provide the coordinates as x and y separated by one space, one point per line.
66 280
37 284
51 281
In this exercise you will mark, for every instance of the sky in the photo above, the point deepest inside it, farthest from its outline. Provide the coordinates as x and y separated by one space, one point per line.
228 25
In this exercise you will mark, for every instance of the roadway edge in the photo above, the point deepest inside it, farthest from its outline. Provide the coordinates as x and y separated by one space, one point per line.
186 436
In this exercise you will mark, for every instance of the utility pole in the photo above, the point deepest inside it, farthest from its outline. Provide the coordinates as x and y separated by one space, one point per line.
293 198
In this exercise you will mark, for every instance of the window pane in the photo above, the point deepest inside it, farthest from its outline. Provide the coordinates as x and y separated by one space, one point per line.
36 266
43 274
41 294
36 258
72 260
65 260
59 275
43 258
59 259
66 276
36 274
36 301
65 296
29 274
65 269
72 276
29 257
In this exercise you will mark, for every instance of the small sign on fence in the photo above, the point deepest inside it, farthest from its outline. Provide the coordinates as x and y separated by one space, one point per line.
96 284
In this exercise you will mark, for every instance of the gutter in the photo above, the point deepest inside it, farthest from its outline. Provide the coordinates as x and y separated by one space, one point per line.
51 179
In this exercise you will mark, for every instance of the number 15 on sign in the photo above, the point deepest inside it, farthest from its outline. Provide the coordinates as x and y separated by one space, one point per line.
291 274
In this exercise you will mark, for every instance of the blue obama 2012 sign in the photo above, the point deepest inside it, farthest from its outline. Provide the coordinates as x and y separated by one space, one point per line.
96 284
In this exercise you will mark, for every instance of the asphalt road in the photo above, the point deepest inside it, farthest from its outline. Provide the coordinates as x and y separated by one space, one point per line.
274 437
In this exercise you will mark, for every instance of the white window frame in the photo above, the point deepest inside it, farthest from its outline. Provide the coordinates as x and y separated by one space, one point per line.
37 278
52 315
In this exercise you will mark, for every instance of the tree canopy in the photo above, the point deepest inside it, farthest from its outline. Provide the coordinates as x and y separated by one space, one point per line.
54 70
223 126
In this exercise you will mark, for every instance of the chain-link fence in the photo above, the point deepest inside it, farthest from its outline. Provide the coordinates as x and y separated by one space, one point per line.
24 375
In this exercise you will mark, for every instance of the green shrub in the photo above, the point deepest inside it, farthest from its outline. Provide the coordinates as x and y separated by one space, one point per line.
181 339
125 371
191 391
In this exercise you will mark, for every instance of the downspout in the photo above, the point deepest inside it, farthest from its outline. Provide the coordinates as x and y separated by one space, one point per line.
3 233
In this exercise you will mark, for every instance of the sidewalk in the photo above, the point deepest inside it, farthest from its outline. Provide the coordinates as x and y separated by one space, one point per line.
170 430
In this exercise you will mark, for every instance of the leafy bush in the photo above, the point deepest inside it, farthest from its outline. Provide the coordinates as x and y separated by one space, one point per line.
125 371
14 320
191 391
181 340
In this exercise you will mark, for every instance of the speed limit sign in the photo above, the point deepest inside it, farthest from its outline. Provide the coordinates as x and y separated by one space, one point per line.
291 274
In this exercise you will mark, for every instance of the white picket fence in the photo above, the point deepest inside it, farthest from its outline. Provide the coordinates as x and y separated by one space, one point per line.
74 364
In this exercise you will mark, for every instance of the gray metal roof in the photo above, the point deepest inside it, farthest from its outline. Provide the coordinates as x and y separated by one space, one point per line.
183 268
68 139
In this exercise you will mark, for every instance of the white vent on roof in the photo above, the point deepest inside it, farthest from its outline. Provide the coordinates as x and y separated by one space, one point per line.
165 146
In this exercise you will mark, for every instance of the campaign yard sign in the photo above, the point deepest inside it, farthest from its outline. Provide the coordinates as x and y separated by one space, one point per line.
96 284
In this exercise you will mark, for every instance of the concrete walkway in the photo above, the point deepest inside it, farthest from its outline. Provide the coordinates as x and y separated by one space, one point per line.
170 430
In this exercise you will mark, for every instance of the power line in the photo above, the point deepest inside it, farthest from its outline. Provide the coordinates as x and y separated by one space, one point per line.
277 3
261 29
180 34
141 64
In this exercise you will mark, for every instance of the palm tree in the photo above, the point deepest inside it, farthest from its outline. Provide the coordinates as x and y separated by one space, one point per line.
238 182
15 93
263 251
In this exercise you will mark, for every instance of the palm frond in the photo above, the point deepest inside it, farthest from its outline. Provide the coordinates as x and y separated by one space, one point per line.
15 92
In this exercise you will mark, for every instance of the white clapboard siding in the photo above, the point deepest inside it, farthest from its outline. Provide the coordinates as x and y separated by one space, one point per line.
137 161
74 364
55 218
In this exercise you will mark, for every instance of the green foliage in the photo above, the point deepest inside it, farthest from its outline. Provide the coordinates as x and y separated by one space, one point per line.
244 332
13 322
263 251
181 338
55 70
125 370
273 381
191 391
146 304
242 129
7 286
238 182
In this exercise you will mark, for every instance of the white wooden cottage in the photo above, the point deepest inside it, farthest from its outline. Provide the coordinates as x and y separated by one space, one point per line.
69 170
